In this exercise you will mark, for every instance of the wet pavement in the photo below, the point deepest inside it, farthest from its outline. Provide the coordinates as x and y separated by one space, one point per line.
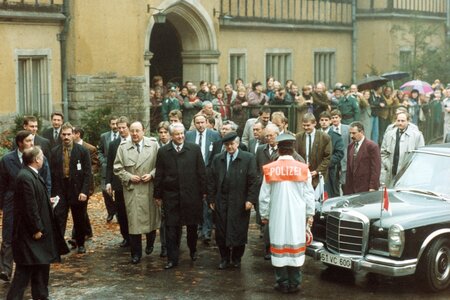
105 272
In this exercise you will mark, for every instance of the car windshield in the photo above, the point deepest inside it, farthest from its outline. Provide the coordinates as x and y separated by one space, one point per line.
426 172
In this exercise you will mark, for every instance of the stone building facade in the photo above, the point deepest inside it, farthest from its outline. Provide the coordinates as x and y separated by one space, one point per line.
70 56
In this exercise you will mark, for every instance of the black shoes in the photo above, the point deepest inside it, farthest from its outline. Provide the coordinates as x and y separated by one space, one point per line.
236 264
148 250
293 289
223 264
193 255
109 218
4 276
124 244
282 288
163 252
72 243
81 250
135 260
170 265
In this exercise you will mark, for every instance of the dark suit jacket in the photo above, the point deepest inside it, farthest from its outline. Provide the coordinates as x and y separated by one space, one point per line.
103 146
44 144
337 144
10 167
363 173
321 153
217 148
252 146
95 163
111 178
180 181
79 179
48 134
209 138
33 213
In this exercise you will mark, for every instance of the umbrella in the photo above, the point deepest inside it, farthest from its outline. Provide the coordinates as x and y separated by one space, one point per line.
396 75
422 86
371 82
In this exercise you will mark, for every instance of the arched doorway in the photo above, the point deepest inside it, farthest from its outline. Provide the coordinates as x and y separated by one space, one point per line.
194 30
166 48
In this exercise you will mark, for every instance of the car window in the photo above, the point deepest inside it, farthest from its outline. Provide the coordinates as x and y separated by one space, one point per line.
426 172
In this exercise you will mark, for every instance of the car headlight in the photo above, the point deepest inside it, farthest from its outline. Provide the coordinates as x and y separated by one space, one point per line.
396 240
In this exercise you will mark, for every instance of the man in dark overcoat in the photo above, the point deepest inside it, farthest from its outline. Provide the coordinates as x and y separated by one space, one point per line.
180 186
36 240
10 165
71 181
232 191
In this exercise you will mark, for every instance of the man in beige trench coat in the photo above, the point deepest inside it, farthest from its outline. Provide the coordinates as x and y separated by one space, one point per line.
135 166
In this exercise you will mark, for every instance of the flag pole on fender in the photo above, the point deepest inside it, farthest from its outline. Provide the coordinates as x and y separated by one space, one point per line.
385 205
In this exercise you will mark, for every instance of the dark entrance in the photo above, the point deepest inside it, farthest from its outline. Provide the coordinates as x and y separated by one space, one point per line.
166 48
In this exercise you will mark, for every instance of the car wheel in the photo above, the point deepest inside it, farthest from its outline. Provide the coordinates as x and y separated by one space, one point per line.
434 266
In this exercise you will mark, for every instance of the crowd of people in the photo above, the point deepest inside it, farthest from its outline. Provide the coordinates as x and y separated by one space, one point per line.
218 154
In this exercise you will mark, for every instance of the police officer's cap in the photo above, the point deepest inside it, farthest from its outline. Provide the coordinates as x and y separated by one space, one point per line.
285 137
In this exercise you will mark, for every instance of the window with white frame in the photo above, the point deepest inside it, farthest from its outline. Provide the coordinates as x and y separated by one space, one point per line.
405 57
237 67
33 87
325 67
279 64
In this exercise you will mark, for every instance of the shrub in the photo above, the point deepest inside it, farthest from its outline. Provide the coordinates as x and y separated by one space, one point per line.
94 123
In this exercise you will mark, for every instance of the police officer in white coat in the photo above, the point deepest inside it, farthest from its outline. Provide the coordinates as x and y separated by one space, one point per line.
286 201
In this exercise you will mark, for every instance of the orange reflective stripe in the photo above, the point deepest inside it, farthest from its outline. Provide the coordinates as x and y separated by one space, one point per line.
287 250
285 170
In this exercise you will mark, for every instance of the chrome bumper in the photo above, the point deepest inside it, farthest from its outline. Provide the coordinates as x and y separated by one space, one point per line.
369 263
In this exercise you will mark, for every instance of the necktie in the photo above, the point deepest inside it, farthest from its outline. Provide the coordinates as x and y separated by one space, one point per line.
137 148
355 151
66 162
309 147
396 152
230 161
56 135
256 145
200 139
336 129
273 152
178 148
114 136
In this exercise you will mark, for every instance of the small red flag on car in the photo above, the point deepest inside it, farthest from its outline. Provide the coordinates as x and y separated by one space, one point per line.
386 201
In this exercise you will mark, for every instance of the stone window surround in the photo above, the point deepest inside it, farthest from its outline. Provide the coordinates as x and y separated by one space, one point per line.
27 53
237 51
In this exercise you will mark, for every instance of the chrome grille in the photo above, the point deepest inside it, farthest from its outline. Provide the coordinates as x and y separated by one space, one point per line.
346 233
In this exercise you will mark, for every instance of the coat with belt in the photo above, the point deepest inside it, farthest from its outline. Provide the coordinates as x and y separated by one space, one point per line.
321 153
180 182
143 214
410 140
32 214
79 172
363 171
229 190
10 167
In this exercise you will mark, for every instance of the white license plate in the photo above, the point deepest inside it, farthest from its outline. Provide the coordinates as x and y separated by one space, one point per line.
336 260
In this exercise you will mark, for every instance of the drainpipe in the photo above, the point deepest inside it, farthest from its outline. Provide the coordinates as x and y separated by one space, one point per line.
448 21
354 39
62 37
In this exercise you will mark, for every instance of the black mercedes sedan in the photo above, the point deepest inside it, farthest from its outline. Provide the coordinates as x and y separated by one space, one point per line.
413 237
